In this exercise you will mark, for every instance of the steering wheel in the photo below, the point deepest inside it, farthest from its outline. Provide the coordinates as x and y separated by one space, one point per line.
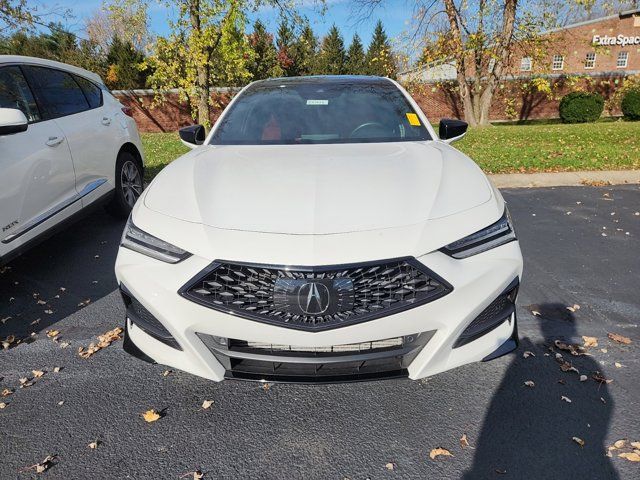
364 126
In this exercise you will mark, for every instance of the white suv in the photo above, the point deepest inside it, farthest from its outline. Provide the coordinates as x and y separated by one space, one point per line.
65 143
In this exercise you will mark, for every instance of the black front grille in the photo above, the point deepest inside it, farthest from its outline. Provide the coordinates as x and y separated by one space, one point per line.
492 316
316 298
144 319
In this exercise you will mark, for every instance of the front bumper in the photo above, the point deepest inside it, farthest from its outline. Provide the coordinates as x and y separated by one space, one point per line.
477 281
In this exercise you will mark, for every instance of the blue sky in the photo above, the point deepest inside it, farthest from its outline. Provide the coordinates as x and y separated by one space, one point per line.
395 16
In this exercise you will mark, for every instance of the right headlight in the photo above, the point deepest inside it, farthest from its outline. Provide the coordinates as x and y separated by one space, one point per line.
493 236
142 242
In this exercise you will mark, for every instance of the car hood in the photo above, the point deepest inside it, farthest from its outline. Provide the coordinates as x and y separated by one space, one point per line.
318 189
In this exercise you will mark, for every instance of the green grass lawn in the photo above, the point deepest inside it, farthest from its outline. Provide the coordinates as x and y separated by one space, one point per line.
500 149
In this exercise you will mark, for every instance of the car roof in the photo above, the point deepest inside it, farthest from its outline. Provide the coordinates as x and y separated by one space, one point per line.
327 79
13 59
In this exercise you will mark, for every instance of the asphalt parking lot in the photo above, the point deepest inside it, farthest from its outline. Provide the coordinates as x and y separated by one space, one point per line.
581 247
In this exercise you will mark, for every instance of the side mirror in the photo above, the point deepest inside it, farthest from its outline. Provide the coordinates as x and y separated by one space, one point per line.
451 130
12 121
192 136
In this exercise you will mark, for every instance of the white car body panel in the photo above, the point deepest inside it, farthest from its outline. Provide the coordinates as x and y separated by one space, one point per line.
56 161
318 205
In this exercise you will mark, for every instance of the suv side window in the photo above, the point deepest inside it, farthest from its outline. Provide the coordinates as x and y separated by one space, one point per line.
91 91
56 91
15 93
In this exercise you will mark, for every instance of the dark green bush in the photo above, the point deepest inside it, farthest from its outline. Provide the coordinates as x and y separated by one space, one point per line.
581 107
631 104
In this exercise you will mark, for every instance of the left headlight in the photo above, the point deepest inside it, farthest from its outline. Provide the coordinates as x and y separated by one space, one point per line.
140 241
493 236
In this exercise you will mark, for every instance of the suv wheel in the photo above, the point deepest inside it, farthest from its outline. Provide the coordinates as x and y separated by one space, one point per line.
129 185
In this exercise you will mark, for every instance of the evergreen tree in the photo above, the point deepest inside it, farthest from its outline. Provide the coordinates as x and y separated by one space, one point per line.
379 59
265 57
306 51
355 58
285 42
331 60
124 64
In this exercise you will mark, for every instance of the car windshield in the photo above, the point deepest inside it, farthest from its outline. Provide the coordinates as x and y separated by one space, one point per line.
317 111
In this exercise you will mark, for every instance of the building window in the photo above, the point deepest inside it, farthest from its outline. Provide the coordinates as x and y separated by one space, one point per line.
623 59
558 62
525 64
590 61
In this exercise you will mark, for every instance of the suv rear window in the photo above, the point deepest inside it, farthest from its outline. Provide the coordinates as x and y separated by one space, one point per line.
91 91
57 91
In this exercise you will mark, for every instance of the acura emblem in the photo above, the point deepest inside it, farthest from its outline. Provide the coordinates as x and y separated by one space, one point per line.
314 298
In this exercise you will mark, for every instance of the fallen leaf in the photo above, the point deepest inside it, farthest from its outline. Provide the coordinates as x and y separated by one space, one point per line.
619 338
6 392
590 341
206 404
266 386
437 452
618 444
60 403
53 333
48 311
567 367
535 313
37 373
574 308
575 350
166 373
43 466
604 350
631 456
566 399
197 475
390 466
618 365
583 378
528 354
3 405
598 377
94 445
501 472
104 341
530 384
579 441
84 303
57 369
464 442
635 444
150 416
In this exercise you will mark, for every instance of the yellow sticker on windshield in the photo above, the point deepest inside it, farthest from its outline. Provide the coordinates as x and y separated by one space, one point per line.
413 119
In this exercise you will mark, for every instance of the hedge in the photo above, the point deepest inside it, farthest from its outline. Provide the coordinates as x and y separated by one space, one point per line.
581 107
631 104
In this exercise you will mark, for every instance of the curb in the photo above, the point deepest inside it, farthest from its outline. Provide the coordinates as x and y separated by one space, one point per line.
566 179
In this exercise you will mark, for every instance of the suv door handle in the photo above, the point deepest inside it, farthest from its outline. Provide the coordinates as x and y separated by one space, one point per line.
53 141
106 121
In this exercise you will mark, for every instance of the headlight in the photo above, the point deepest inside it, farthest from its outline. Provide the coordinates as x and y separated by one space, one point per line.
493 236
140 241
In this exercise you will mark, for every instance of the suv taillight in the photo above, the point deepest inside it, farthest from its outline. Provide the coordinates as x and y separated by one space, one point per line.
127 111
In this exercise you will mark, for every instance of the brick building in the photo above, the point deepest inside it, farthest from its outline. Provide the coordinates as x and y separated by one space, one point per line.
602 52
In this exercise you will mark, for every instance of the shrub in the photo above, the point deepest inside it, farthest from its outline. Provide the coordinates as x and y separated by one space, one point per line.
631 104
581 107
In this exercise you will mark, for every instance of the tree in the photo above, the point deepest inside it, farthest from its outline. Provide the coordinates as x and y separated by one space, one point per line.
331 60
284 41
264 63
379 60
207 47
306 51
25 15
126 19
356 61
124 66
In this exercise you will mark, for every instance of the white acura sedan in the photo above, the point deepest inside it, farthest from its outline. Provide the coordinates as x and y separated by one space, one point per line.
322 232
66 144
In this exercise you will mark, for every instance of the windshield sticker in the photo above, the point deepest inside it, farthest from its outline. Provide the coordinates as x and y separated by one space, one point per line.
413 119
317 102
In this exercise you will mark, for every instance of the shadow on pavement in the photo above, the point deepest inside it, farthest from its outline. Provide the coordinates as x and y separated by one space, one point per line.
528 432
59 276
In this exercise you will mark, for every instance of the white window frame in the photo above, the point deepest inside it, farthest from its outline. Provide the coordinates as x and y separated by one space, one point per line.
590 60
623 59
557 63
526 64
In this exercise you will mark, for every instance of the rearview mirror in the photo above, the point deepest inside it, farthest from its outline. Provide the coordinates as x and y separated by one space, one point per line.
192 136
12 121
451 130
